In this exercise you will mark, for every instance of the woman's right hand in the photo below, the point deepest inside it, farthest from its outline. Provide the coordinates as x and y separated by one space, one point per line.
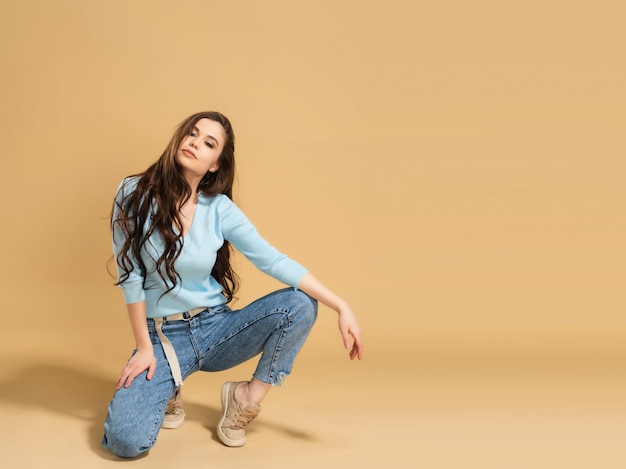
141 361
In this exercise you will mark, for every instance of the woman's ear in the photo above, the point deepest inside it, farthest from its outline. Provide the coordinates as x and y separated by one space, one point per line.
214 168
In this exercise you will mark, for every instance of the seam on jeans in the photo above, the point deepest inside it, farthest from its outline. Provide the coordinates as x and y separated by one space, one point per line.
276 354
157 425
247 325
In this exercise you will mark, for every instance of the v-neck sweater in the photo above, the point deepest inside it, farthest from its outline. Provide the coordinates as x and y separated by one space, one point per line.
216 219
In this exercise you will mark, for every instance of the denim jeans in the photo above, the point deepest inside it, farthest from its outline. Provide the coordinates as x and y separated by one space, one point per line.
217 339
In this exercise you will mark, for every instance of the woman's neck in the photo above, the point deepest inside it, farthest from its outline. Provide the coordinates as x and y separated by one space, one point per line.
193 182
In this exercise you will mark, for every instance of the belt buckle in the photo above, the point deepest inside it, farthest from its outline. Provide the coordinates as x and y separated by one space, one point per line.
187 317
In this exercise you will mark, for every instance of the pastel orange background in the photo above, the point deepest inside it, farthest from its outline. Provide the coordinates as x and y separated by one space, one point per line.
454 169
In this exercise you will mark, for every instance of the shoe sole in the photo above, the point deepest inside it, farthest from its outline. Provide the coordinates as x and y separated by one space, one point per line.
227 441
173 425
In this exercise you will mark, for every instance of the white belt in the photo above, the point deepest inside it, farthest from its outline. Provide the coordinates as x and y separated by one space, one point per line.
168 348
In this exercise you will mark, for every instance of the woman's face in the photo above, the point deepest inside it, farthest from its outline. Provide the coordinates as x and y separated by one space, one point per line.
200 150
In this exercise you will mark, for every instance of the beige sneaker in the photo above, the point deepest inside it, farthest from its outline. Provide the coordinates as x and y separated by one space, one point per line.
175 414
235 417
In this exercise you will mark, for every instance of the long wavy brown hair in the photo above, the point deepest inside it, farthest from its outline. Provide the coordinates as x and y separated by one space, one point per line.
160 191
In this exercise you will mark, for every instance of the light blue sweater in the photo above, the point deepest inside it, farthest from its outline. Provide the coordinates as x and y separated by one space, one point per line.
217 219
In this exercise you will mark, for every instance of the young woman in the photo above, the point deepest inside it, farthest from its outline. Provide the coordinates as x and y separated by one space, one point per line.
173 227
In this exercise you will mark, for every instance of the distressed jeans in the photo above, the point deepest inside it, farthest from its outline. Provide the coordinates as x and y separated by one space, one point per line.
217 339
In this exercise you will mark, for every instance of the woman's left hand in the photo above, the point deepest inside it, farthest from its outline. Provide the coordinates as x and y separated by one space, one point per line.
347 322
348 327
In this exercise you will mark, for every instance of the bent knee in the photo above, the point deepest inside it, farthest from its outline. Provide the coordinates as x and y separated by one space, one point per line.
123 447
307 307
125 443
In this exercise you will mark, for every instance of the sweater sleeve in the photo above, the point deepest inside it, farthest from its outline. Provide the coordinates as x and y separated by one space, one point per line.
242 234
132 287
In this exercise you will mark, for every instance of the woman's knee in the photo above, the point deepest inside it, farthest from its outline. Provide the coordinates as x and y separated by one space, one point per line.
127 439
306 307
124 445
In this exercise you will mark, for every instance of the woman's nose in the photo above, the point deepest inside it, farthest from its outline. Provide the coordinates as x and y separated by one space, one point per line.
192 142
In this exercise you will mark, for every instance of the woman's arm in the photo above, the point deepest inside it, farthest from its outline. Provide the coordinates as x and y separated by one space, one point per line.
237 229
143 359
348 325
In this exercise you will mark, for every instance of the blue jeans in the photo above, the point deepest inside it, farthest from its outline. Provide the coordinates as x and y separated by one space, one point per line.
217 339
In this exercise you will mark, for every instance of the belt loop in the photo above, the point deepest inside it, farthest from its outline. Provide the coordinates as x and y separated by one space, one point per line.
170 353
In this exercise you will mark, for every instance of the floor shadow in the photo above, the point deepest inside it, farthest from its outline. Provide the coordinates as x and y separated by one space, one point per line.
84 394
65 390
210 416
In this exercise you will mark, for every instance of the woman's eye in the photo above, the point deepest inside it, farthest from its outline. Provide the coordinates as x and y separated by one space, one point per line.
208 144
192 134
